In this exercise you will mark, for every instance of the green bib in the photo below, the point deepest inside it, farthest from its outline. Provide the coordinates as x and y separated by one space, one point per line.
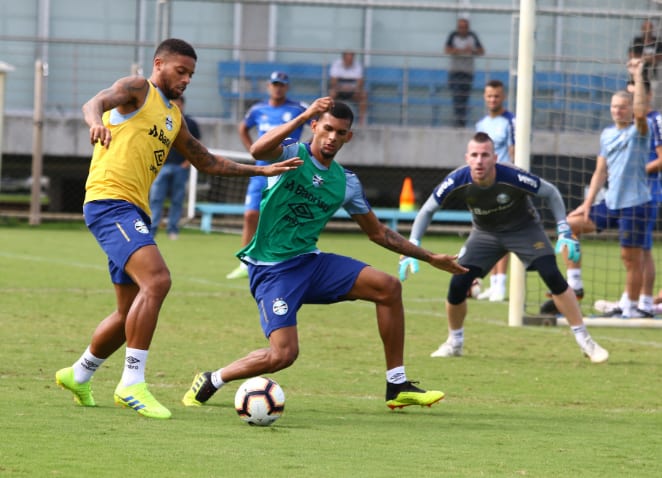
294 211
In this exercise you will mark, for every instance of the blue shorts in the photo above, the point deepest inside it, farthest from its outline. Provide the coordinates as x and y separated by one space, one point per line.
256 184
635 224
280 290
120 228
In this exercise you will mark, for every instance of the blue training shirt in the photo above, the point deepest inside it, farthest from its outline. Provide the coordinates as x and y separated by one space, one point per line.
627 152
264 117
501 129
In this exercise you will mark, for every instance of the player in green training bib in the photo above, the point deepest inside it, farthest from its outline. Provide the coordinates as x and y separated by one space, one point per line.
287 270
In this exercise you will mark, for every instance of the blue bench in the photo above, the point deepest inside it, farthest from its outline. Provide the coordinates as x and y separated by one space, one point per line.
390 215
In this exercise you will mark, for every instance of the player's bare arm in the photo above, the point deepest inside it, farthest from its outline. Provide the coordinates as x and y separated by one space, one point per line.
391 240
200 157
268 146
126 94
639 102
598 180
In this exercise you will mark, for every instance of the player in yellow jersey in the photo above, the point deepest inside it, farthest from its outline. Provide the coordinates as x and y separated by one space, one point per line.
133 125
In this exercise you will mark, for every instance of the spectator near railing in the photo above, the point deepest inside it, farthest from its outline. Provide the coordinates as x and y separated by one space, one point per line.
420 96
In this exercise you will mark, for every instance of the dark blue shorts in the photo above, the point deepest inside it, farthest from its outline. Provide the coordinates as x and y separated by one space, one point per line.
635 224
280 290
120 228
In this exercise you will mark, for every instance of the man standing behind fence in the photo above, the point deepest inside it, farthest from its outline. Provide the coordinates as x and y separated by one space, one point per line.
264 115
462 44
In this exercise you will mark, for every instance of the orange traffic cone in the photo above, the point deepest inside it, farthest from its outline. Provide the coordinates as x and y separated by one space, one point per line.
407 196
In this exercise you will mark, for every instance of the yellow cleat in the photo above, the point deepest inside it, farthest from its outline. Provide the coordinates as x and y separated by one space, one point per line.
82 391
404 394
137 396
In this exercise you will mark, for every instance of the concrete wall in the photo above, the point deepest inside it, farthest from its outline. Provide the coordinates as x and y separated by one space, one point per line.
378 146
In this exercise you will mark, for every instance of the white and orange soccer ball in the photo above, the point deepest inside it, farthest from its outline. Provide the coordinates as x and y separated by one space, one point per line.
475 289
259 401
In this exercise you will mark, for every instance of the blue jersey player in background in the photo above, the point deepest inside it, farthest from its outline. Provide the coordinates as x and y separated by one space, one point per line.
499 124
627 205
264 116
504 220
653 167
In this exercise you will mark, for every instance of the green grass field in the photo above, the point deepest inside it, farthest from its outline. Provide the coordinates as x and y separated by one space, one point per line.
521 402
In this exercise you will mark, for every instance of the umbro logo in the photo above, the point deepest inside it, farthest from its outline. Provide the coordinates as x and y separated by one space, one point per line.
131 360
301 211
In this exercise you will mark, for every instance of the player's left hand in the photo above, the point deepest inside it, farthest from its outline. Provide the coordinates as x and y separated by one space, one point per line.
276 169
407 265
568 241
447 263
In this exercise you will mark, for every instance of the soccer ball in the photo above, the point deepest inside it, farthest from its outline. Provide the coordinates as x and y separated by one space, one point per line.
475 289
259 401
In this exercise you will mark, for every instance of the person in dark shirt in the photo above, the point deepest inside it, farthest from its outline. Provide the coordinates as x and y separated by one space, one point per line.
504 220
462 45
171 182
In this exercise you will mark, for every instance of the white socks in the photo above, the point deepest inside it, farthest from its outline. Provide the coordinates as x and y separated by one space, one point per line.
85 366
216 379
575 279
134 367
645 303
456 336
396 375
581 334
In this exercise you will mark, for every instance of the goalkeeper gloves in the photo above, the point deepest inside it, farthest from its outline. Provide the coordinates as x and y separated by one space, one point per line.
407 264
567 240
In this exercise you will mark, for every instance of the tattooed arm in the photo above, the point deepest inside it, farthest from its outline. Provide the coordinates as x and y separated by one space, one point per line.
126 94
217 165
391 240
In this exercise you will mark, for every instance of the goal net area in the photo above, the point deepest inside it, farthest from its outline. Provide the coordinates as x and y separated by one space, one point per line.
574 78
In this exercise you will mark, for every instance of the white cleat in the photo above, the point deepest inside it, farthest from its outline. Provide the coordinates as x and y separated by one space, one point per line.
484 295
605 306
448 349
594 352
497 295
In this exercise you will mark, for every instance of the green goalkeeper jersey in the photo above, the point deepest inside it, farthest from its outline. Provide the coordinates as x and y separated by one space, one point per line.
295 209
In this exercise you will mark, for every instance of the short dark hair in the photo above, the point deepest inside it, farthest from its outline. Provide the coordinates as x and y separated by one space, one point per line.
481 137
494 84
177 47
342 111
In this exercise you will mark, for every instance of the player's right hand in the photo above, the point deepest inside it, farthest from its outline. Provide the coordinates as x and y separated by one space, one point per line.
100 134
407 264
566 240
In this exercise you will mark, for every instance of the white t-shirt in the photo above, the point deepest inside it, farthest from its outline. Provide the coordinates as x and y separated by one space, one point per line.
347 77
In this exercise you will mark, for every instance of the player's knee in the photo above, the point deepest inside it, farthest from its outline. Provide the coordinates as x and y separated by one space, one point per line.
460 284
389 290
550 274
393 287
282 357
160 283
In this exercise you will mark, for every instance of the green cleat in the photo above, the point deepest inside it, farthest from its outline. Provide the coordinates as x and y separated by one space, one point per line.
82 391
201 390
404 394
137 396
240 272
